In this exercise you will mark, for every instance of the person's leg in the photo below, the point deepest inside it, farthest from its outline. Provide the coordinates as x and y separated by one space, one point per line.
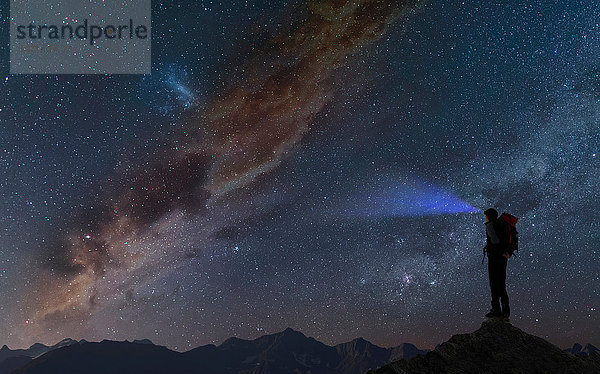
502 288
493 275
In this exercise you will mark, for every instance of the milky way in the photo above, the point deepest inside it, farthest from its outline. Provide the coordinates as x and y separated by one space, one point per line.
318 165
243 132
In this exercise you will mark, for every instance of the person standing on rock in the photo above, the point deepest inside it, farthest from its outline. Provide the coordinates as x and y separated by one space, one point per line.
498 253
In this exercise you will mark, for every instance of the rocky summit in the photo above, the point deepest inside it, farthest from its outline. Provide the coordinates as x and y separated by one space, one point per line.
496 347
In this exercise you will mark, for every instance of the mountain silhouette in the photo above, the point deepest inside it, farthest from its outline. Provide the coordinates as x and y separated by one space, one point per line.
11 359
496 347
106 357
579 350
288 351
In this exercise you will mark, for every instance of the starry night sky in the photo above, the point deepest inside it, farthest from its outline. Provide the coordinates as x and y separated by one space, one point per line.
293 164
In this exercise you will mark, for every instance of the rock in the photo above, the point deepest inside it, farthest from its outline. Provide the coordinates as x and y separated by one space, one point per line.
496 347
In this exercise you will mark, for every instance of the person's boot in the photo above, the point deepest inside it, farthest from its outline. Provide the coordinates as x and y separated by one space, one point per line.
505 311
493 314
495 311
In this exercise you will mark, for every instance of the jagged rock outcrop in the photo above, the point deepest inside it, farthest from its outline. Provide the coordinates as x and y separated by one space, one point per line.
496 347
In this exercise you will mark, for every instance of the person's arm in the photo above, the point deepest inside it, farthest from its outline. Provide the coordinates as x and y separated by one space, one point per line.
491 233
487 240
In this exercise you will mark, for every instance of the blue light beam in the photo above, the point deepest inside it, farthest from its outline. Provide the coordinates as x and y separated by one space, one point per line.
411 197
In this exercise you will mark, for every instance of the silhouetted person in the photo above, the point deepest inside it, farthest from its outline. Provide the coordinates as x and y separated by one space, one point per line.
498 254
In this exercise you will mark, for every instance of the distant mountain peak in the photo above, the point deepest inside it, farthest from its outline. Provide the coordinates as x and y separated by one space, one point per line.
231 341
289 335
579 350
63 343
291 331
357 343
143 341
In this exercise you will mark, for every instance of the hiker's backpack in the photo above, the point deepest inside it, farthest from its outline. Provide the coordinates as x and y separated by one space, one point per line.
512 240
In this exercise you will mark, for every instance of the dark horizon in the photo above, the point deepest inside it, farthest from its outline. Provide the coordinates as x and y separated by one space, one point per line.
583 344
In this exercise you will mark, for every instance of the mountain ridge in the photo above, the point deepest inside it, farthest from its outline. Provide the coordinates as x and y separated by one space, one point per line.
285 351
494 347
583 349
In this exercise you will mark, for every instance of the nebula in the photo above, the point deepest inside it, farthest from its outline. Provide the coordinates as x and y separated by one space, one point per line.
243 131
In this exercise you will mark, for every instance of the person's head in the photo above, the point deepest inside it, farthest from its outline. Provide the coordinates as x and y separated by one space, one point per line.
491 214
